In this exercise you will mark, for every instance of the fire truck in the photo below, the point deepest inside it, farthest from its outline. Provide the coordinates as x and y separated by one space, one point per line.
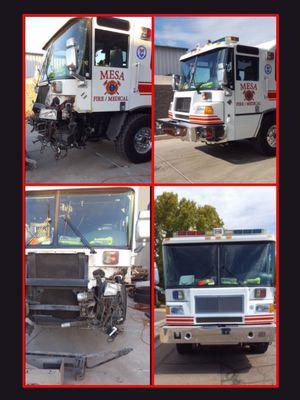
226 92
95 83
81 243
219 289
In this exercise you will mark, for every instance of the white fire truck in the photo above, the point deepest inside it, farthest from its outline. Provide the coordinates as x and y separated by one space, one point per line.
219 289
226 92
95 83
81 243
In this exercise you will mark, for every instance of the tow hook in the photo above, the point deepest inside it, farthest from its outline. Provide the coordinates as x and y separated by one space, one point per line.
225 331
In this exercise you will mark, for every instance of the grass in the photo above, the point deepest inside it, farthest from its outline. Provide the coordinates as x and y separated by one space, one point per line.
30 96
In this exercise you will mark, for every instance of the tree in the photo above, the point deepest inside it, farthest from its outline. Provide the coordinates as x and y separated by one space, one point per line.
172 215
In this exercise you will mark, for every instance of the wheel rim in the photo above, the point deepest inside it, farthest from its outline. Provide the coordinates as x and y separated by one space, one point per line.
271 136
142 140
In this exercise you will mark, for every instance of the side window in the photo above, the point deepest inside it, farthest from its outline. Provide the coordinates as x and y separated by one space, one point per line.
111 49
247 68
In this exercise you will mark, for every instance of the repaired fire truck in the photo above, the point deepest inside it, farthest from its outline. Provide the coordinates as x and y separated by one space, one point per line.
219 289
226 92
95 83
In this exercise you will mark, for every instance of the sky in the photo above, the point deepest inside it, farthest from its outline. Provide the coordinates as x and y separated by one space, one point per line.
239 207
38 30
188 31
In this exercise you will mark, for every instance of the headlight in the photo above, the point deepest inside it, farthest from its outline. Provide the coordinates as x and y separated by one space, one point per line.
178 294
176 310
263 308
47 113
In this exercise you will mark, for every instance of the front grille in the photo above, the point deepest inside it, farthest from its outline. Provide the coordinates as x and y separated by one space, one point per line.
56 266
180 116
183 104
199 320
219 304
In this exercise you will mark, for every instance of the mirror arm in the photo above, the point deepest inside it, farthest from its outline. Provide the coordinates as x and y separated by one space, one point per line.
140 247
79 78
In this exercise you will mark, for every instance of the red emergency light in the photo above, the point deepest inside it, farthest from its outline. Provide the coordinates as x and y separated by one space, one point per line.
189 233
146 33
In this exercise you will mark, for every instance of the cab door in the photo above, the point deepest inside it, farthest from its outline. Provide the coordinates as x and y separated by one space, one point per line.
247 92
111 78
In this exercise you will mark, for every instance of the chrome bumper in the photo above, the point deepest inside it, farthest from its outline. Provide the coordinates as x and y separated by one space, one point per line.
216 335
192 132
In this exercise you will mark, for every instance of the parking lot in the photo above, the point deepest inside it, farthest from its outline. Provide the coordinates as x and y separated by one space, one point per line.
98 163
179 161
133 368
211 365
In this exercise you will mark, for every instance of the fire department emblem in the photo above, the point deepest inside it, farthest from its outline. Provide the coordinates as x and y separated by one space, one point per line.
112 87
248 94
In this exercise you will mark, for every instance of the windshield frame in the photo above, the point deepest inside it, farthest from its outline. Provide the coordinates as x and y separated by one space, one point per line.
57 196
218 246
228 57
44 75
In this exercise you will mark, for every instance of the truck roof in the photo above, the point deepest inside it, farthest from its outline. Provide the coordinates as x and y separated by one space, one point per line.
71 21
218 239
224 43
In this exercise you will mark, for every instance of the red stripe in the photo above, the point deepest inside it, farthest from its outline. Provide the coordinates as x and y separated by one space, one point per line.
144 87
272 95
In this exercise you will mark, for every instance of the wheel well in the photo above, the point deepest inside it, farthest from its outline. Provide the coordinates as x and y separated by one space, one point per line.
264 115
140 110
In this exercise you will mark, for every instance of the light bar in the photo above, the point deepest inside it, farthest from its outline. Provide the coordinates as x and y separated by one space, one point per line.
221 232
227 40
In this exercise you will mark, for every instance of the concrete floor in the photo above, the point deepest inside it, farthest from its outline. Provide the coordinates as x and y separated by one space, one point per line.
98 163
213 366
133 368
179 161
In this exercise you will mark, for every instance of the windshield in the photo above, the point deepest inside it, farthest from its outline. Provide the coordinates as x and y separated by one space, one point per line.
55 63
204 265
103 219
201 71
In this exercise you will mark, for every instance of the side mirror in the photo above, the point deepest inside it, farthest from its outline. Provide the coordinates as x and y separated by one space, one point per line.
71 55
222 74
156 275
175 81
142 233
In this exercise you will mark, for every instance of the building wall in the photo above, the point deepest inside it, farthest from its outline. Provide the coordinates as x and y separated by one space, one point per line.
167 59
32 60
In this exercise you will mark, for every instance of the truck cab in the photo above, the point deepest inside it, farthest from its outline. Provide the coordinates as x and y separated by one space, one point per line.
226 92
96 82
219 289
80 246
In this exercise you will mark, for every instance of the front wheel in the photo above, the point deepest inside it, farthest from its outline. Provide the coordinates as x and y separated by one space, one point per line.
266 139
134 142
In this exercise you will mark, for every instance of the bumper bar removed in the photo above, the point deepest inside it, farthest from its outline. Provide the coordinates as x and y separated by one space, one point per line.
217 335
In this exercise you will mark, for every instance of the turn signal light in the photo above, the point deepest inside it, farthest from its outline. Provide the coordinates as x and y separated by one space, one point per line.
208 110
110 257
260 293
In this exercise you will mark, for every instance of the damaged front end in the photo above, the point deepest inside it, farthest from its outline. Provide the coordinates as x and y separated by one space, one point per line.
58 125
59 292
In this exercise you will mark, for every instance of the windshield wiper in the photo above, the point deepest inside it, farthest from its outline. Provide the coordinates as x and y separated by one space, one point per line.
79 234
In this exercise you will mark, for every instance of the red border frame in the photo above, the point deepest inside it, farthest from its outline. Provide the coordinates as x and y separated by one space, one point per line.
152 185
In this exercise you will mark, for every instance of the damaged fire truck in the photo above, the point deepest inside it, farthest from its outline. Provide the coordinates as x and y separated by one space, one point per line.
95 83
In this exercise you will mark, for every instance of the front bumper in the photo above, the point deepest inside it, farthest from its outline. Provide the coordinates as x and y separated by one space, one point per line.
218 335
193 132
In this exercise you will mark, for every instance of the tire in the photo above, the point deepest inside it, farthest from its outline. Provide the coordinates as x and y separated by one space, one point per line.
127 144
265 134
142 295
258 348
183 348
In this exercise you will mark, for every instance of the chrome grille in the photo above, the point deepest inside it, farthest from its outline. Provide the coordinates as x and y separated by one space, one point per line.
219 304
183 104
